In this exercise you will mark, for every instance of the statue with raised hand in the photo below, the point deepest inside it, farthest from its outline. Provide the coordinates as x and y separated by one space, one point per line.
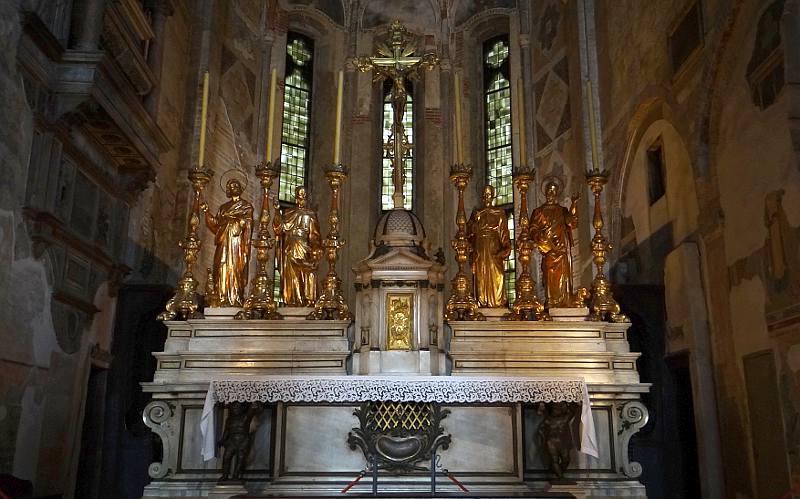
232 227
299 251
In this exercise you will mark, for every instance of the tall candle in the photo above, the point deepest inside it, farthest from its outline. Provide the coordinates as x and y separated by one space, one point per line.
592 133
273 82
521 121
459 131
338 135
201 154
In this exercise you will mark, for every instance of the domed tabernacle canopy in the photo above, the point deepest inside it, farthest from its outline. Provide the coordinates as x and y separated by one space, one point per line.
399 228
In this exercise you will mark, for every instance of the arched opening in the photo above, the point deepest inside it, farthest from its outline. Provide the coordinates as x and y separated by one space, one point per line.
658 271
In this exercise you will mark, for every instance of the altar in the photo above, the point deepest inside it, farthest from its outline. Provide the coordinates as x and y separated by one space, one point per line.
418 386
298 370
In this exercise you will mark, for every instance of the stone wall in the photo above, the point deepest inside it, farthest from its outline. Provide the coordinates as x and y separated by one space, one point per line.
731 191
78 211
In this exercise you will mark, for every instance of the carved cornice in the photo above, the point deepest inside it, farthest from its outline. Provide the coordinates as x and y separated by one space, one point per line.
100 92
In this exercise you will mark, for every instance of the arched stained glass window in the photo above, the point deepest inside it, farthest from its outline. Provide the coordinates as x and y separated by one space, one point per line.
497 133
387 187
296 130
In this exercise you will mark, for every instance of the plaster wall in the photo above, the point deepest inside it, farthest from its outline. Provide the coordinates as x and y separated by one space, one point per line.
729 163
43 387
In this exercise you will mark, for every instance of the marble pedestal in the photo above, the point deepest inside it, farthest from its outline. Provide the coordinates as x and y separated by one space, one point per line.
596 351
300 448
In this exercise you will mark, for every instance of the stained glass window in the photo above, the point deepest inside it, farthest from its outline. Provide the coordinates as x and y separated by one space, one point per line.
387 187
296 115
497 113
510 267
296 131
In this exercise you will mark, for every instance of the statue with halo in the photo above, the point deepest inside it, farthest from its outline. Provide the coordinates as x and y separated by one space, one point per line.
232 227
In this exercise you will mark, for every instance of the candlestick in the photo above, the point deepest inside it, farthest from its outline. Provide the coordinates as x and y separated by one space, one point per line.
459 131
521 120
461 305
527 306
338 134
201 154
331 304
261 302
273 82
592 134
603 305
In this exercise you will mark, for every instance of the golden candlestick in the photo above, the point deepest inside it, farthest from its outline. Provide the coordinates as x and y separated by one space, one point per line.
184 304
527 306
462 305
331 305
602 303
261 302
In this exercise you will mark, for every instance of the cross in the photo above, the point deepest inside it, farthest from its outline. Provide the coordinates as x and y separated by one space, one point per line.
396 60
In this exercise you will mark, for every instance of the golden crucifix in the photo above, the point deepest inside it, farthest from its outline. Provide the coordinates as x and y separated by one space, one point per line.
396 60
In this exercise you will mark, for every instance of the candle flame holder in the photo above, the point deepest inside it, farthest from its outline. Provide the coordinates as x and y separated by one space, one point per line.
185 304
603 305
261 302
527 306
331 304
461 305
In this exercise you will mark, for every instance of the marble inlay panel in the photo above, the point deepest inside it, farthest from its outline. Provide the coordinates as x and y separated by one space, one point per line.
482 440
315 440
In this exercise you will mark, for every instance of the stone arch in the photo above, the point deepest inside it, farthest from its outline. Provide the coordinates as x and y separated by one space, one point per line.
331 10
311 23
676 212
416 15
655 111
489 23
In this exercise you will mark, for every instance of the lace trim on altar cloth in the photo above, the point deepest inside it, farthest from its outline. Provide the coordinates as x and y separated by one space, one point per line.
442 389
428 389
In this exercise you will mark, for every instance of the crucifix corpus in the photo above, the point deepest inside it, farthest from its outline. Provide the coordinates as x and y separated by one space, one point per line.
396 60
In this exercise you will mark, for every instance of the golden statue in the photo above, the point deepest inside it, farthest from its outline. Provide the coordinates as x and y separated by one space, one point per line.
551 231
232 226
300 249
487 232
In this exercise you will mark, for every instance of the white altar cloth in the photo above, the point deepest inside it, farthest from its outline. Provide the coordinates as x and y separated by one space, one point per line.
442 389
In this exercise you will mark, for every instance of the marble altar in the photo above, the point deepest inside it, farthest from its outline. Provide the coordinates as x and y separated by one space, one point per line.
300 445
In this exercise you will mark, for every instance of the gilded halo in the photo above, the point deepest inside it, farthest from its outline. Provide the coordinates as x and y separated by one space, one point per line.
233 174
552 179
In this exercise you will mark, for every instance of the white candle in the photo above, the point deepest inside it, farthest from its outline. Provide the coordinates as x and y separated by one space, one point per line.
201 154
338 135
521 120
592 133
459 131
273 81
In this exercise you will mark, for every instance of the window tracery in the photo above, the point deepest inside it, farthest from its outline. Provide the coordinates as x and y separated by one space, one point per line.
497 133
387 188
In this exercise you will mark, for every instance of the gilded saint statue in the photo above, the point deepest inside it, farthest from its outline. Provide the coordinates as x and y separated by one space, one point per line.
232 227
551 231
299 251
490 242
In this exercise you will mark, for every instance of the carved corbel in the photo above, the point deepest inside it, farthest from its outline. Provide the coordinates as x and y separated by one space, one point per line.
632 417
158 416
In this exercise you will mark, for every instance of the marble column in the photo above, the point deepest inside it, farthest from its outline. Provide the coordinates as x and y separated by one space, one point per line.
88 21
155 57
